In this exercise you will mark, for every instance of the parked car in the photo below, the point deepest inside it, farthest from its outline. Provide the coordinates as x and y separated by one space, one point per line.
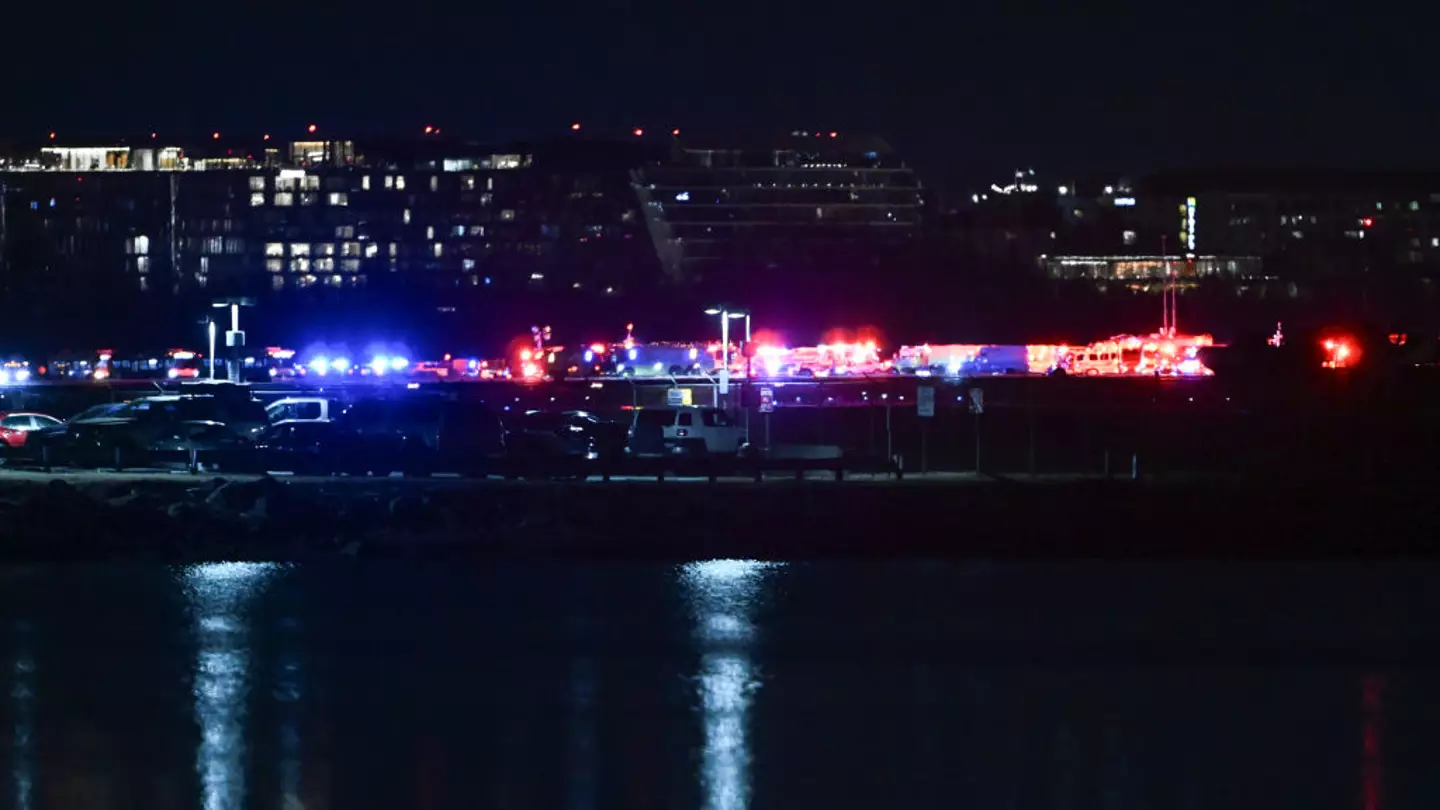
152 429
421 435
16 427
305 447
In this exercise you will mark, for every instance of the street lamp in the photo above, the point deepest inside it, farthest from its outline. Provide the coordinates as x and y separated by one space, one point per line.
212 349
725 316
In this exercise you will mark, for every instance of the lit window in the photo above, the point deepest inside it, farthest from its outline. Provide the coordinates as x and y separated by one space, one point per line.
309 198
274 248
257 200
142 264
389 181
394 250
277 283
507 214
326 264
299 265
350 265
141 245
475 281
371 250
284 199
311 182
324 249
300 249
505 161
350 249
257 183
1129 237
1435 241
468 182
365 183
438 248
345 232
487 198
334 281
1414 205
339 198
304 281
458 230
489 183
400 182
275 265
405 216
537 276
429 231
468 264
434 182
477 230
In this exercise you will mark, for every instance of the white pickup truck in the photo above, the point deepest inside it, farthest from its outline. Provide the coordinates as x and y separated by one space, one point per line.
302 409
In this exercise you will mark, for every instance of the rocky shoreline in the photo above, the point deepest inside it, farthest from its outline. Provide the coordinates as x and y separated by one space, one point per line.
193 519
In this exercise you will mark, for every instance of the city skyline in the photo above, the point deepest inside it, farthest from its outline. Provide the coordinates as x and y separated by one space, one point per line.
958 90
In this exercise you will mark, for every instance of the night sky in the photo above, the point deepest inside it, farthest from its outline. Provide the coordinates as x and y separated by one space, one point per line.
965 93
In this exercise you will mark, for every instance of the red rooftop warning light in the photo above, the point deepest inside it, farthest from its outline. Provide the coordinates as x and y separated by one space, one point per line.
639 132
214 136
834 134
674 132
575 127
311 129
52 136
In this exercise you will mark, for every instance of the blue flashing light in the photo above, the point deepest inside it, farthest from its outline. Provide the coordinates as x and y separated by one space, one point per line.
632 354
340 364
380 365
589 356
399 363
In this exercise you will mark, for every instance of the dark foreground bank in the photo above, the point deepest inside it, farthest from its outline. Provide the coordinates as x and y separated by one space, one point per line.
198 519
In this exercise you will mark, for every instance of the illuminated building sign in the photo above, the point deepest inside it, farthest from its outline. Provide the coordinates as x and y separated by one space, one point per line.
1190 223
1125 201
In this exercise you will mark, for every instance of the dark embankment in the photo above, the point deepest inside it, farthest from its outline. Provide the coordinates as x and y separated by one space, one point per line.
267 519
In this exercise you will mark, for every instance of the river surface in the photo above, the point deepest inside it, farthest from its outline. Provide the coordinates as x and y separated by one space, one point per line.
722 684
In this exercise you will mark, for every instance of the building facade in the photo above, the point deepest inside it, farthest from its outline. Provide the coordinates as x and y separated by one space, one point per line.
729 212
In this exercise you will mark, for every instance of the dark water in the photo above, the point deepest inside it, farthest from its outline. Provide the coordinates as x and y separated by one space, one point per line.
722 685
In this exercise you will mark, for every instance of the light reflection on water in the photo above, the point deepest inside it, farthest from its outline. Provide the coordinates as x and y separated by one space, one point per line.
220 595
725 684
722 596
22 699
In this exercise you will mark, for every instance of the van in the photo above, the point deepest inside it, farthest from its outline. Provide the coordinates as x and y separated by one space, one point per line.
685 431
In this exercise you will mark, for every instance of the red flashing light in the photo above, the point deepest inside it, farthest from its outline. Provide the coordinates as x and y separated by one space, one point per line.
311 128
429 130
267 137
52 136
152 136
674 132
639 132
214 136
575 127
1367 222
834 134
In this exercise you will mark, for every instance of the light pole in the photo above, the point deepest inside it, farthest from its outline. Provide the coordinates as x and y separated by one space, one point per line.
212 349
725 315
